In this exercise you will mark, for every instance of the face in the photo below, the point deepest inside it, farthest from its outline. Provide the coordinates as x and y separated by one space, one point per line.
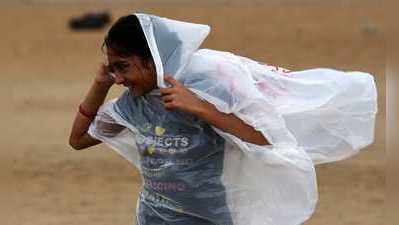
132 72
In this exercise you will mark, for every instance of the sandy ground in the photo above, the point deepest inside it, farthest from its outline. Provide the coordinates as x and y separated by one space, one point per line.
46 69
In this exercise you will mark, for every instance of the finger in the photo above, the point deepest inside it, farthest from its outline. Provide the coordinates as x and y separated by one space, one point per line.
166 91
171 80
103 69
168 98
169 105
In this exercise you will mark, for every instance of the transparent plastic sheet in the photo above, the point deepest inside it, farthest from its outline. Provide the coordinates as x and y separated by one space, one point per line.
193 173
331 113
218 181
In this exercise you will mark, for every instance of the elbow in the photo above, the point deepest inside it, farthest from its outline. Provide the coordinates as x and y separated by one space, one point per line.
75 144
262 141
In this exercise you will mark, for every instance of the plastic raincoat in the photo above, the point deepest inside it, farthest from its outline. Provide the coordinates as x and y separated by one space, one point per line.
190 168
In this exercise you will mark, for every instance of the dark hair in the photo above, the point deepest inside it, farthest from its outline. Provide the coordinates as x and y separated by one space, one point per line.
126 38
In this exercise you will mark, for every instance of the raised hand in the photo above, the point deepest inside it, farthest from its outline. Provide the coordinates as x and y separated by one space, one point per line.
180 97
103 76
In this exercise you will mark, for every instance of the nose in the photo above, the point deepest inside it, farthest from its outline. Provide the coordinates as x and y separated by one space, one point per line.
119 79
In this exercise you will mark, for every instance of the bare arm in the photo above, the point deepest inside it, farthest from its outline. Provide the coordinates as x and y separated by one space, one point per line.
79 138
230 123
179 97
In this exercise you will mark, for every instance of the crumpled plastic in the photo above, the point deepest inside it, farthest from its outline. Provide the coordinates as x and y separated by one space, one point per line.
194 173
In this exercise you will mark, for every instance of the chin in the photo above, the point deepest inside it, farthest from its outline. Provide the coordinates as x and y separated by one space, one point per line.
136 91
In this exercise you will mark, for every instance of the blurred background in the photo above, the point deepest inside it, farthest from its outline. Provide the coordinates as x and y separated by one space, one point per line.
46 69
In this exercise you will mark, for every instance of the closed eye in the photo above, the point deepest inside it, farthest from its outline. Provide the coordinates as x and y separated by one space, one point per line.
119 67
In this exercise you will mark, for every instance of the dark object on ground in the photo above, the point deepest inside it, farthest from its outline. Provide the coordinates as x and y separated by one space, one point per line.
90 21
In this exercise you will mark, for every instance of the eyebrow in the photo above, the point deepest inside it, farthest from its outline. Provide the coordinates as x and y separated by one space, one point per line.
120 62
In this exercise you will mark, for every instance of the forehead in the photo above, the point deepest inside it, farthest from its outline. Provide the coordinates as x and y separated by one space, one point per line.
112 57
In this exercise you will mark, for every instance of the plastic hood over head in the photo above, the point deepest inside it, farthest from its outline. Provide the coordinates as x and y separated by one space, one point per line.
172 43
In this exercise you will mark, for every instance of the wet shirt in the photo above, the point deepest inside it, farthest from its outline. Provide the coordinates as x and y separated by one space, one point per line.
181 158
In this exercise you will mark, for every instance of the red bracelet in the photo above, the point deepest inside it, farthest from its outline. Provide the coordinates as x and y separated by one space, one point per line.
86 114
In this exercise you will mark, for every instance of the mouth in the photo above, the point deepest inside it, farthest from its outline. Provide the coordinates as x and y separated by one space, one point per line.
128 85
132 89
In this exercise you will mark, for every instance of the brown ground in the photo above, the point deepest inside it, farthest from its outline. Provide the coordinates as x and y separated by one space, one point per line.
46 70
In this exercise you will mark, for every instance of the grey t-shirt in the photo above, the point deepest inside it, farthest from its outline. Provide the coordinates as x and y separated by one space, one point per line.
181 158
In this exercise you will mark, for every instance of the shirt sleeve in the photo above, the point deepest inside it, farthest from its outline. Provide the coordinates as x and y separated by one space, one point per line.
109 128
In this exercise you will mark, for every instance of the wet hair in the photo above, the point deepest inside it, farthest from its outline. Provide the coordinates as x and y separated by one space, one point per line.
126 38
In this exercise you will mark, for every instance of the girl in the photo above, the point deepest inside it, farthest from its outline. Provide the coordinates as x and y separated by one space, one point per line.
222 139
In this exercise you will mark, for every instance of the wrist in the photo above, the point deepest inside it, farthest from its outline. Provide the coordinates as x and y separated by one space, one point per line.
103 85
88 114
203 110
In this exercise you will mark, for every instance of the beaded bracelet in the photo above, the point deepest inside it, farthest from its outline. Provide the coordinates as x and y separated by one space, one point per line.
85 113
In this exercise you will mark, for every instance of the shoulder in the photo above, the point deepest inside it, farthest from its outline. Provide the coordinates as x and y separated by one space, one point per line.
126 97
217 67
126 102
213 55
